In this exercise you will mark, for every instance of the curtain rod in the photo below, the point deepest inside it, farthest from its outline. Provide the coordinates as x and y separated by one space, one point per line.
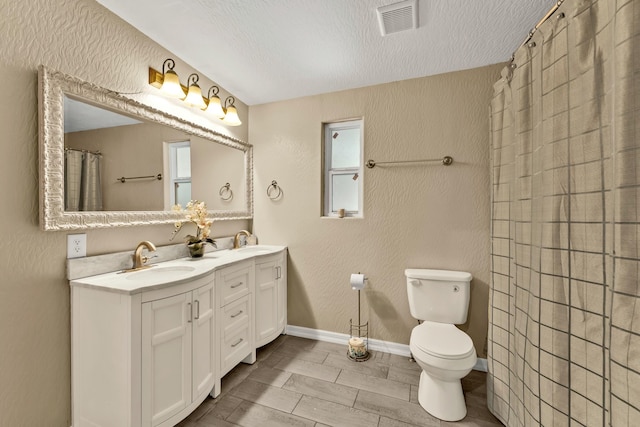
97 153
542 21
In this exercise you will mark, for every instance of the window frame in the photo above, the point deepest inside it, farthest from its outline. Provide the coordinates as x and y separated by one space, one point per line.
328 210
175 180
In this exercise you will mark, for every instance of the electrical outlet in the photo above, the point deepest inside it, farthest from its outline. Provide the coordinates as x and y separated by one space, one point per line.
76 245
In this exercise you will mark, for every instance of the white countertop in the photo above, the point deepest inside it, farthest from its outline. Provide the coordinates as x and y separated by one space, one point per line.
173 272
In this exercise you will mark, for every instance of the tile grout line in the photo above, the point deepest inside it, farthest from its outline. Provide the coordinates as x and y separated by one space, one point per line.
398 372
297 403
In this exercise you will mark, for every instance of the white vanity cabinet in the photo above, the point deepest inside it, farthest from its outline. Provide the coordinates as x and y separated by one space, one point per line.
143 359
147 347
234 286
270 297
178 347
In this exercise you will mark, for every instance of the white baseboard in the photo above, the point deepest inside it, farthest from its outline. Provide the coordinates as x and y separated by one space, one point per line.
377 345
337 338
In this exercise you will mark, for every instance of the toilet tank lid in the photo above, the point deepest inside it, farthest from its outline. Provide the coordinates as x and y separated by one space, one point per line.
442 275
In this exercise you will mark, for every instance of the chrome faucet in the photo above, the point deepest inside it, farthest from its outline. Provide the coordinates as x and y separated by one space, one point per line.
236 239
138 259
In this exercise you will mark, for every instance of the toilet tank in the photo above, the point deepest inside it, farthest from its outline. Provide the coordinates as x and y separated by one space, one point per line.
438 295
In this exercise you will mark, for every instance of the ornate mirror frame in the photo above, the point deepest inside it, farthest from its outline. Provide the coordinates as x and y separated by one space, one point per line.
52 86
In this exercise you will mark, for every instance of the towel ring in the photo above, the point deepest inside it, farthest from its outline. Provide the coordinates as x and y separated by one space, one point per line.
225 192
271 189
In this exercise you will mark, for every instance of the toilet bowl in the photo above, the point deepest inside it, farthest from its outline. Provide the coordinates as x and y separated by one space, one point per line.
445 353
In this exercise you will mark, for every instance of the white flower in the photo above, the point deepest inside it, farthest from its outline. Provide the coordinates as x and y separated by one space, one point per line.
195 212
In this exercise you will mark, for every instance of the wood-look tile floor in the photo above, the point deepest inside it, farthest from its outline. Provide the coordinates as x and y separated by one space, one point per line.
302 382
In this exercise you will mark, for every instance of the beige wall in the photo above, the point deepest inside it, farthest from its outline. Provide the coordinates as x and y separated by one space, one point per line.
212 166
81 38
427 216
133 150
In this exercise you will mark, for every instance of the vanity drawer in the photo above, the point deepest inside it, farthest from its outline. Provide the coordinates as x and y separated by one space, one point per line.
233 282
236 336
235 313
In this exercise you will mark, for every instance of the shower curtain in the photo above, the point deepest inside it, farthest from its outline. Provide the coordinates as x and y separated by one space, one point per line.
564 314
82 187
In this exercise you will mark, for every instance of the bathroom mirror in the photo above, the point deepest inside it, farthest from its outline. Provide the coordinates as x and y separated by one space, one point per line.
137 145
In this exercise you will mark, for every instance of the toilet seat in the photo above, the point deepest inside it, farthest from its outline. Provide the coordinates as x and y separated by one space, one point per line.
441 340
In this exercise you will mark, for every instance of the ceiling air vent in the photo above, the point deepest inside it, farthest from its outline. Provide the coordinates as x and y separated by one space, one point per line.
398 17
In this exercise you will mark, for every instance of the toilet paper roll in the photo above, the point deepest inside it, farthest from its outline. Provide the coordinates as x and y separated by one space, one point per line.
357 348
357 281
356 342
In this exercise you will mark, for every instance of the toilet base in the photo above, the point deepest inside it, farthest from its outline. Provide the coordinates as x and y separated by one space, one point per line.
442 399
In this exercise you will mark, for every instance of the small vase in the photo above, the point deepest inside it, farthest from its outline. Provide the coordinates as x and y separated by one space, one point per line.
196 250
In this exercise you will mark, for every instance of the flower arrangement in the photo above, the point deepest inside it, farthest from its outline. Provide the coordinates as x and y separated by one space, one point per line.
196 213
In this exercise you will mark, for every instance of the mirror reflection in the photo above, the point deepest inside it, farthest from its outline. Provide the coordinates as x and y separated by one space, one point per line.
114 162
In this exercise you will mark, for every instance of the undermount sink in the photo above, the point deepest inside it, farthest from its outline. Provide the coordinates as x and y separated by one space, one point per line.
167 273
253 249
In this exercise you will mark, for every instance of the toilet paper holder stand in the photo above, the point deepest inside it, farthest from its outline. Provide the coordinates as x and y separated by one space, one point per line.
358 338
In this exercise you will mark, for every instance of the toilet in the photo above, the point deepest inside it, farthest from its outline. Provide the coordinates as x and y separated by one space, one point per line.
440 298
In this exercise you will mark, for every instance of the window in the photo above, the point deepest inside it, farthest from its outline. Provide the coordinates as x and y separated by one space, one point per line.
180 169
343 168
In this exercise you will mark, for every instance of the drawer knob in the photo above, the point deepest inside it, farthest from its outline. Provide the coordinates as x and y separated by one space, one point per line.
238 342
236 285
237 314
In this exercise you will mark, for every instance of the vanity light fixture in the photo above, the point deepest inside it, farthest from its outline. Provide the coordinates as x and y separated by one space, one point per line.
170 82
231 114
215 104
194 94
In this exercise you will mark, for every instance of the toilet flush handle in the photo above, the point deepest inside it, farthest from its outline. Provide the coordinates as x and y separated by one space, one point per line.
415 282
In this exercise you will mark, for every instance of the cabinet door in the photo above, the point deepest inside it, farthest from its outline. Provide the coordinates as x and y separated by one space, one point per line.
166 358
266 300
203 340
281 274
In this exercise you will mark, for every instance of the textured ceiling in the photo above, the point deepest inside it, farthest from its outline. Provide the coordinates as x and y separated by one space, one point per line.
269 50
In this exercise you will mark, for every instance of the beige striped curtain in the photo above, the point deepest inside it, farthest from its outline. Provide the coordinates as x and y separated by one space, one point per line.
564 315
82 181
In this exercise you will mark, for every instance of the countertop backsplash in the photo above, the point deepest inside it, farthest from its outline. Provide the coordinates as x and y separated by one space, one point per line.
78 268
